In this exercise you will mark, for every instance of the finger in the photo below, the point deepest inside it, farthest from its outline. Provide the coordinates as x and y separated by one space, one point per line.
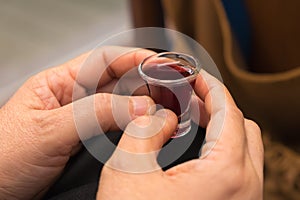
96 114
75 79
148 133
130 83
255 146
143 138
226 125
212 92
198 112
108 63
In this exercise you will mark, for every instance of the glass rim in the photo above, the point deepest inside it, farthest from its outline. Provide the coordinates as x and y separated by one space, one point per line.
155 81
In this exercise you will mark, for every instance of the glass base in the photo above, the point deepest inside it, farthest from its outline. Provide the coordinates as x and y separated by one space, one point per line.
182 129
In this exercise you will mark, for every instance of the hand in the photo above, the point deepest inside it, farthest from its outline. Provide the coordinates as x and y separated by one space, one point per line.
231 165
37 128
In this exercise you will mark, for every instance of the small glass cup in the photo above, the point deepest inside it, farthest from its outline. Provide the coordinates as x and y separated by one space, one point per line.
170 78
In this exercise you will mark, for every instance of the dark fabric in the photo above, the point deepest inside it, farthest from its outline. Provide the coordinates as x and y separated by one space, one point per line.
86 192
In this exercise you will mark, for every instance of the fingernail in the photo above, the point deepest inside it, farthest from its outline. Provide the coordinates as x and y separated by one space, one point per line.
141 105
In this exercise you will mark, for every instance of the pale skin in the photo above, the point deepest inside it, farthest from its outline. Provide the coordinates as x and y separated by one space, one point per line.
38 135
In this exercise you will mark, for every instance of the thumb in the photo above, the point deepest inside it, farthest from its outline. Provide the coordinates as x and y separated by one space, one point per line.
98 114
142 139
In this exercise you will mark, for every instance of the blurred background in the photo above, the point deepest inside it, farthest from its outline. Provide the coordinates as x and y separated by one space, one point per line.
37 34
255 44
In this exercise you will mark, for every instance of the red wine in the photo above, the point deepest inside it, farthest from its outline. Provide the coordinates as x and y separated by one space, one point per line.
174 96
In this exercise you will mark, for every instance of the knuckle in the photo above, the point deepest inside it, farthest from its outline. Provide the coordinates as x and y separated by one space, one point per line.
42 121
104 97
252 125
103 103
234 111
238 112
235 178
44 125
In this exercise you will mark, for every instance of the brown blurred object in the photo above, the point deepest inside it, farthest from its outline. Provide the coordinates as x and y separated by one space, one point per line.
147 13
267 86
276 44
282 171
